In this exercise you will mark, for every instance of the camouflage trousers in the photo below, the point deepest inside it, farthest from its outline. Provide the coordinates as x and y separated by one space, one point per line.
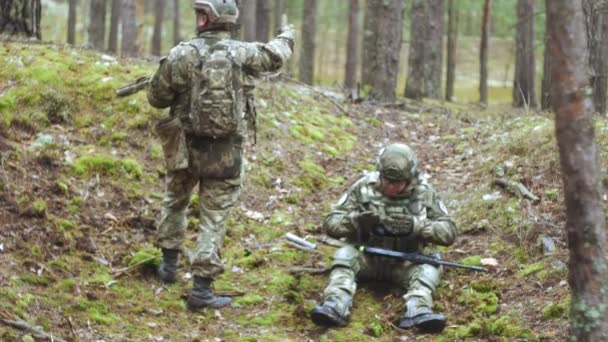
420 281
217 197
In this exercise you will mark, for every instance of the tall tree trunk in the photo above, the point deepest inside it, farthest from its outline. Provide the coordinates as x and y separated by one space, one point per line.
279 10
157 36
426 50
20 18
129 29
140 12
352 47
524 85
453 15
237 32
309 31
595 16
545 99
176 23
249 19
262 23
483 52
114 26
585 218
97 24
72 4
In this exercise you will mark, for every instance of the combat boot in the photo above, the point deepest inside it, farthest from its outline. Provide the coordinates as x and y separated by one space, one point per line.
202 297
167 270
327 315
422 318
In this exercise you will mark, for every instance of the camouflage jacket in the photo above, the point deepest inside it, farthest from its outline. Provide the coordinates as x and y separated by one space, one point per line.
418 199
171 85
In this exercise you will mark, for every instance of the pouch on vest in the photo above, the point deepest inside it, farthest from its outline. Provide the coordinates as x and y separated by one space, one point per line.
217 90
216 158
173 141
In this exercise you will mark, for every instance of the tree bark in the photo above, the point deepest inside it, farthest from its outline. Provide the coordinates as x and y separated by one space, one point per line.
114 26
585 222
97 24
157 36
381 47
545 99
279 10
249 18
140 12
595 16
72 4
309 31
524 85
426 50
176 23
129 46
352 47
262 23
451 53
483 52
20 18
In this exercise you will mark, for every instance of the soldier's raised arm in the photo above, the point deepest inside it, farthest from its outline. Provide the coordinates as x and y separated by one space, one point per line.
259 57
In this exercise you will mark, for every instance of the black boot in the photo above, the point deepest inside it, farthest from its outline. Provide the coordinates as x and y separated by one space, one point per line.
167 270
422 318
327 316
202 297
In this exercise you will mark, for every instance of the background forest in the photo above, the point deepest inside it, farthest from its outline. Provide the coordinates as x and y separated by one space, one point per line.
503 101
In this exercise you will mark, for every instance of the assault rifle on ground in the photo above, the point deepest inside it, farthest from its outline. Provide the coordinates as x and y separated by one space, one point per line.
130 89
412 257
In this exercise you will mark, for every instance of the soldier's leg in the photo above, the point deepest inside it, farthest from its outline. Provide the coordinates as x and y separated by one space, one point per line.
172 224
421 282
338 295
217 198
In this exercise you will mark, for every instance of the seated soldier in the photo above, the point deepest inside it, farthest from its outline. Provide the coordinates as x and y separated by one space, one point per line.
392 208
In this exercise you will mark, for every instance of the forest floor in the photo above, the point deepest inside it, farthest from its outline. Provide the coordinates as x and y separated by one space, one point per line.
81 177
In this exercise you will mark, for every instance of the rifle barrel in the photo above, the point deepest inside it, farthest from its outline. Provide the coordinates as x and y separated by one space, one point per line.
417 258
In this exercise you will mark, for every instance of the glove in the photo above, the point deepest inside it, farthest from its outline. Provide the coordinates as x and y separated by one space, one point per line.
288 32
367 219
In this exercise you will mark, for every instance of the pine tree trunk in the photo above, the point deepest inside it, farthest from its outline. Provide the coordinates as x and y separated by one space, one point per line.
177 37
426 50
451 53
262 23
129 29
157 36
309 30
483 52
595 16
352 48
97 24
20 18
249 18
72 4
545 99
114 26
279 10
585 217
140 12
524 84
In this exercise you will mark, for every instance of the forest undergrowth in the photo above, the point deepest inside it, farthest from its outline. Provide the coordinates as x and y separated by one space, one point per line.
81 188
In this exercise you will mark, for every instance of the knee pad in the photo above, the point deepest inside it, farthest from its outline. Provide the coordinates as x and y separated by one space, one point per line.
427 275
348 257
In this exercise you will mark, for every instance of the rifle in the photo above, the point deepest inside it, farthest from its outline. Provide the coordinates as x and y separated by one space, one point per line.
130 89
413 257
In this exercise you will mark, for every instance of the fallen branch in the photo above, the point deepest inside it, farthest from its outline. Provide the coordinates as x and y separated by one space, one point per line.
119 272
309 270
320 93
17 323
229 293
517 188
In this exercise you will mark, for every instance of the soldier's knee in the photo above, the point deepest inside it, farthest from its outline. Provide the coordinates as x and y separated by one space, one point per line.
347 257
429 276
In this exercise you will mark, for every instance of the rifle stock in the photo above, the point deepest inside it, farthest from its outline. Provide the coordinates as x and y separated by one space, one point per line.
130 89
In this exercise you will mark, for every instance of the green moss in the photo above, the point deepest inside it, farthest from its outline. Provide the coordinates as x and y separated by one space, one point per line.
473 260
151 256
478 301
249 300
376 329
280 281
63 187
531 269
104 164
39 207
66 285
35 280
553 311
312 176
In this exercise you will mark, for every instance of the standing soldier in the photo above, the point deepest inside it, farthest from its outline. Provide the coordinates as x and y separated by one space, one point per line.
202 81
391 208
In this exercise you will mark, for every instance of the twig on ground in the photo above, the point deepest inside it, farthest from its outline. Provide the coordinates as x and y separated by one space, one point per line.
17 323
517 188
309 270
119 272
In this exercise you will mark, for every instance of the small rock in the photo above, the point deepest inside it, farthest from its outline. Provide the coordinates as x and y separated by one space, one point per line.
547 245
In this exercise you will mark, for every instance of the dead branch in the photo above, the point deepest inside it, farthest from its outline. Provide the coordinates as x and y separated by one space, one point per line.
320 93
309 270
517 188
17 323
121 271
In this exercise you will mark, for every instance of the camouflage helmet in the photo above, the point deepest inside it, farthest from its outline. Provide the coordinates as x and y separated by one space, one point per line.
397 162
219 11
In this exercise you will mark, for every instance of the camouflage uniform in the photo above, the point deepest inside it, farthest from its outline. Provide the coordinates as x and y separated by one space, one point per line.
432 225
218 194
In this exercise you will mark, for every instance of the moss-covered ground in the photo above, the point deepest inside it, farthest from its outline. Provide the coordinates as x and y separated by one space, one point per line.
81 187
